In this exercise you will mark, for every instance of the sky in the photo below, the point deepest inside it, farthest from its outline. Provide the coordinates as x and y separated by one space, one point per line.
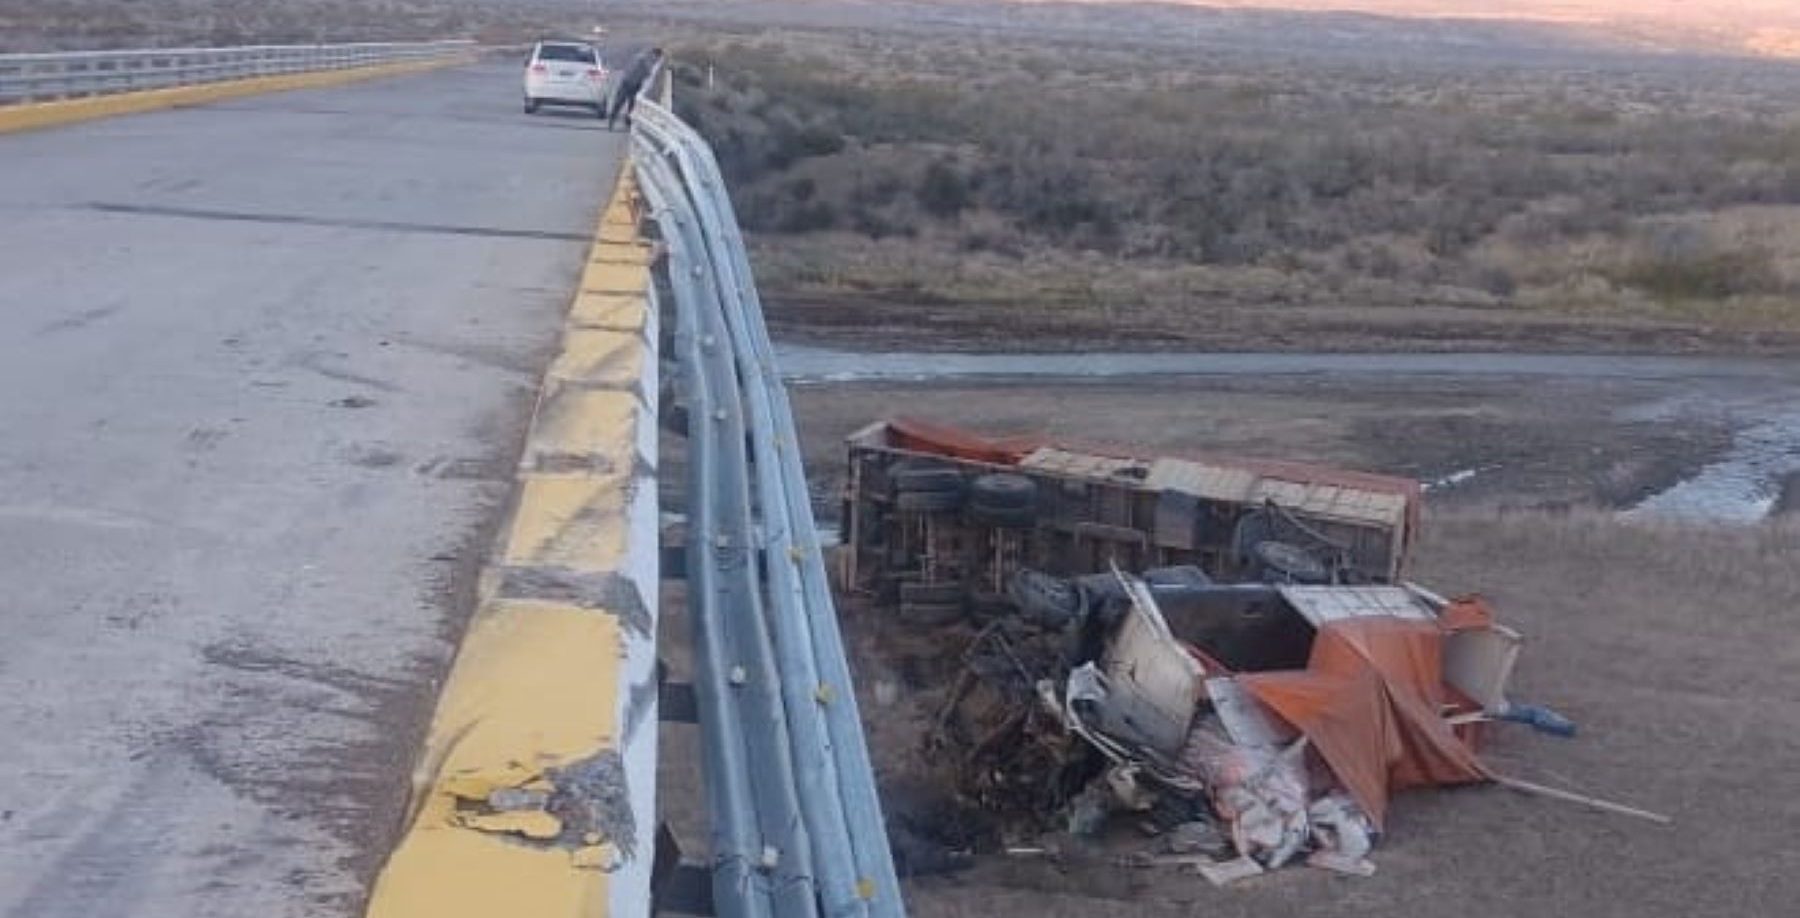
1684 12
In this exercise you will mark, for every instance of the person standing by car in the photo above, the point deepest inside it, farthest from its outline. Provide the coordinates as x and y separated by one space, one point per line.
631 83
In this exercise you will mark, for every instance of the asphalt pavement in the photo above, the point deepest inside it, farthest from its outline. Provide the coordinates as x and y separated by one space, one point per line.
264 366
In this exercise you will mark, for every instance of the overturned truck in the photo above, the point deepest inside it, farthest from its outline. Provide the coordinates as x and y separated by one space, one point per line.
938 520
1226 649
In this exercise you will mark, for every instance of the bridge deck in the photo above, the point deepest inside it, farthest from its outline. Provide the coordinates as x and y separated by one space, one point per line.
266 365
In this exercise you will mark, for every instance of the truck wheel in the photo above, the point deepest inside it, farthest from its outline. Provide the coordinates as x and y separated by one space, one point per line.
927 479
1099 589
928 501
1040 597
1003 490
1002 517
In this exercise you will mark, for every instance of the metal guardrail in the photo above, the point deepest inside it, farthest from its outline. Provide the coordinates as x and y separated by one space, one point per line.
796 821
63 75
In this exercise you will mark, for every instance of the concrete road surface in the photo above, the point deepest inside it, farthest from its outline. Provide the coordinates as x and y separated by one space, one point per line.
263 370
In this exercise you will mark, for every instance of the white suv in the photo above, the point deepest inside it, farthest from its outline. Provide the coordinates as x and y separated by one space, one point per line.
565 73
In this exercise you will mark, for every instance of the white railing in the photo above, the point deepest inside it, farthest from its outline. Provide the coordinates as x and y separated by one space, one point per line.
64 75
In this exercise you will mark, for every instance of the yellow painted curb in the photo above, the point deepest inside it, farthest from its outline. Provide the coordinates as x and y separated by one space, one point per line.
535 792
34 115
520 702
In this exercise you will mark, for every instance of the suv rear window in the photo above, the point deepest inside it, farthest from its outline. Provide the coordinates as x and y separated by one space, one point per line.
577 53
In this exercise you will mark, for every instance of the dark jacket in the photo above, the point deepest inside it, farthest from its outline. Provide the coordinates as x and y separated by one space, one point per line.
638 72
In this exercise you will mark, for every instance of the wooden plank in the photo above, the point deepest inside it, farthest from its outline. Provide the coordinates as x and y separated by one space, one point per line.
1540 790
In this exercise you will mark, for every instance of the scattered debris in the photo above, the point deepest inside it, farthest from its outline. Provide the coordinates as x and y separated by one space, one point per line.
1244 727
1225 873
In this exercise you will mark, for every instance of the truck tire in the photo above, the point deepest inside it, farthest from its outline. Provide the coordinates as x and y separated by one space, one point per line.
1099 589
927 480
928 501
1040 597
1002 517
1003 490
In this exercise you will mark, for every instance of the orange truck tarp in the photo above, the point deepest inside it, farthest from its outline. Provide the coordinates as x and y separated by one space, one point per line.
1369 701
945 440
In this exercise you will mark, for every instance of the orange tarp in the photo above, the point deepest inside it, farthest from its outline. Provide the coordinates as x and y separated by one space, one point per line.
945 440
1369 701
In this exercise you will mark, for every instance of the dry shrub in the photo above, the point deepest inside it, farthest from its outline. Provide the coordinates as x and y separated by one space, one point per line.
1388 185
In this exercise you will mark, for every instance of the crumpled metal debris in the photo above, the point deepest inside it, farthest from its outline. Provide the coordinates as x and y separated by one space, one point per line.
1135 724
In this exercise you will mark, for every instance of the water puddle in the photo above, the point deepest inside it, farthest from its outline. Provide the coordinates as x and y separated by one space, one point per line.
1745 485
802 364
1453 479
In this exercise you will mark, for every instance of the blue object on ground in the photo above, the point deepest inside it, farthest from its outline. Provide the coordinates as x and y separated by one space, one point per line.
1539 718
